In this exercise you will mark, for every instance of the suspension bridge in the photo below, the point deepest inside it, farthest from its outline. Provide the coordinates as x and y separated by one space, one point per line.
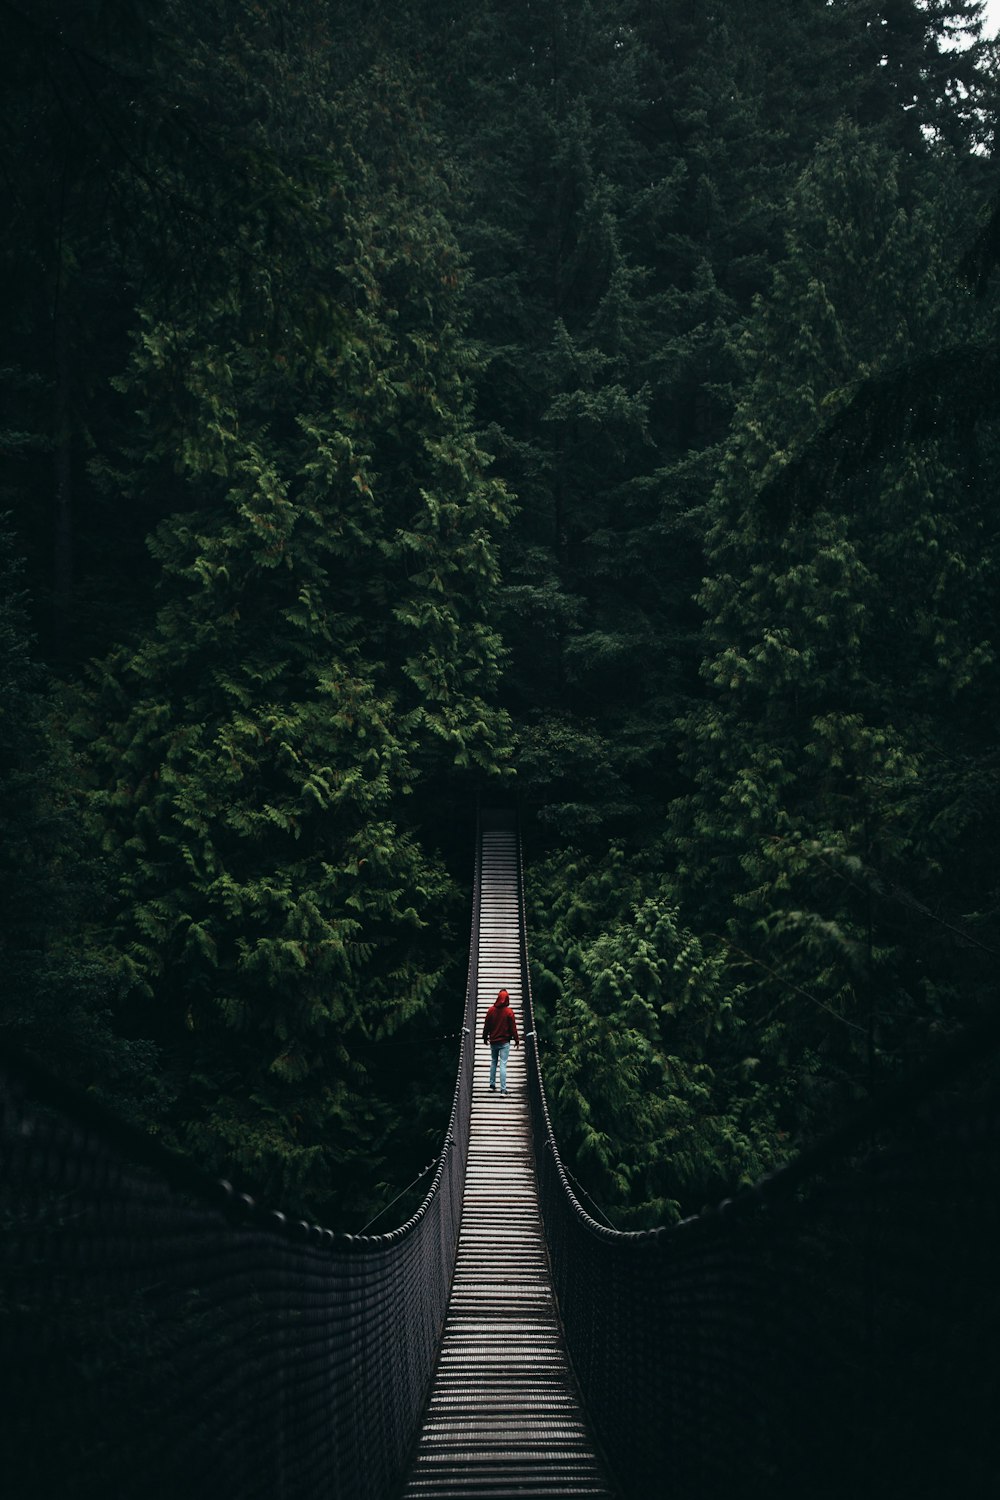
831 1332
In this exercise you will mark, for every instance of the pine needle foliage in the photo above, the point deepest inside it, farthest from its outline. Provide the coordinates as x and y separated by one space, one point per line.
852 629
701 278
655 1101
321 647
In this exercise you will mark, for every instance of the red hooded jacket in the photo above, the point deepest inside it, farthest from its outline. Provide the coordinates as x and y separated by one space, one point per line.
500 1025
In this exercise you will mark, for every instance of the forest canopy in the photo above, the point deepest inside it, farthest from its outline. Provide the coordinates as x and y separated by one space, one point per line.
592 401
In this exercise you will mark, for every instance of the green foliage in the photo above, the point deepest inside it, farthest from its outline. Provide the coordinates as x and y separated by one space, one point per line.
321 649
655 1103
851 640
627 171
689 273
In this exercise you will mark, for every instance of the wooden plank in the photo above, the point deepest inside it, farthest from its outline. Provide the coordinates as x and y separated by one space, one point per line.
504 1417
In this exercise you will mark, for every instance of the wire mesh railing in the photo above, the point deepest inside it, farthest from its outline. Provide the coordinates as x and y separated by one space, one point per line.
162 1337
833 1332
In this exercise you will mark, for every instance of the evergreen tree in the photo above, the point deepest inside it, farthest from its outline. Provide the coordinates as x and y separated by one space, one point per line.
321 648
628 170
653 1100
847 632
713 117
704 251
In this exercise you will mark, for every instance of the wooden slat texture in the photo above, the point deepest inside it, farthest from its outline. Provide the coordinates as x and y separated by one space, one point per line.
504 1419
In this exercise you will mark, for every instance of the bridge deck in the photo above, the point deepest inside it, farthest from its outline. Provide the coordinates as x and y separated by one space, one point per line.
504 1417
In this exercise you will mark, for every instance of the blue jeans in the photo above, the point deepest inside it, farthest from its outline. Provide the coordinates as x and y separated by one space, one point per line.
499 1051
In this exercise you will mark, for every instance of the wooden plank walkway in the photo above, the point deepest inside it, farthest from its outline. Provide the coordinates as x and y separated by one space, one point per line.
504 1418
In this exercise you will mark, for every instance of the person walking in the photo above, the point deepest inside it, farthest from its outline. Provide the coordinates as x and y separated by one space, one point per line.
499 1030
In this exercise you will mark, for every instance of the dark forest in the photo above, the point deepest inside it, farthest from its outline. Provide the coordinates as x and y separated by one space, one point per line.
594 403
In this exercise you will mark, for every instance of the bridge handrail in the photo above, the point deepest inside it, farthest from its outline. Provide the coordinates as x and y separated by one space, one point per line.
832 1330
130 1281
766 1346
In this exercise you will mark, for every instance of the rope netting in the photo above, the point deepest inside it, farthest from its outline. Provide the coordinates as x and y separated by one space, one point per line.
833 1332
163 1337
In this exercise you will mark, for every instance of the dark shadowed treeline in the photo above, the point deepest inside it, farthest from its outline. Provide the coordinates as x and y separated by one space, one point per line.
298 674
592 399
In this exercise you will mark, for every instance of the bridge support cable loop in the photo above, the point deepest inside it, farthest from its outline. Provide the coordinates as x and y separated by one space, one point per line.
165 1337
832 1332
